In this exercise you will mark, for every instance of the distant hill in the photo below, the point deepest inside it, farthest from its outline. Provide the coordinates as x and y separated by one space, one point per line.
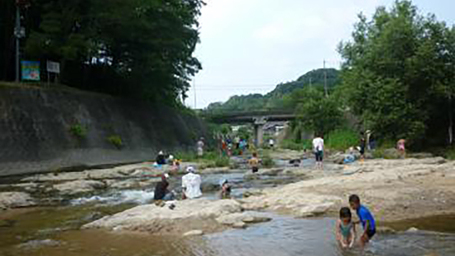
274 99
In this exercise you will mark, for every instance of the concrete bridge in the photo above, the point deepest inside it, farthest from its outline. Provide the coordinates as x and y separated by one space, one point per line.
257 118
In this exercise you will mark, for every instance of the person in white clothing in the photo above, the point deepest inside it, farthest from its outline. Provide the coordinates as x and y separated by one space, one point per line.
200 147
318 149
191 184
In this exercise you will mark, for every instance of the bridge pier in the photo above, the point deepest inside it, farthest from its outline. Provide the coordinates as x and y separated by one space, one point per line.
259 123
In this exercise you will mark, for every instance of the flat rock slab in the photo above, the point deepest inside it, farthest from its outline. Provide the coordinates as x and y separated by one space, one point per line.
15 200
79 186
194 233
245 217
187 215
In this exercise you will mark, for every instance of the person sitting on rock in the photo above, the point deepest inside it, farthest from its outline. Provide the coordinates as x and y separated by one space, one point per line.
161 189
160 159
191 184
225 189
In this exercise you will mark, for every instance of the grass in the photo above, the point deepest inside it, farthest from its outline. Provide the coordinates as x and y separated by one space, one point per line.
115 140
293 145
208 160
342 139
79 131
450 153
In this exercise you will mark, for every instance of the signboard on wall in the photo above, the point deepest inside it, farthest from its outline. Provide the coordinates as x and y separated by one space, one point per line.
53 67
30 70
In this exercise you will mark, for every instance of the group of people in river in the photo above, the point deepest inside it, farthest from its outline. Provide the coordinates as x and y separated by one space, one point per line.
346 231
191 186
367 142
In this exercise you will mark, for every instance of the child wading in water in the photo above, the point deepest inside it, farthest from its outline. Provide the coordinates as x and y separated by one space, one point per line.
345 228
365 217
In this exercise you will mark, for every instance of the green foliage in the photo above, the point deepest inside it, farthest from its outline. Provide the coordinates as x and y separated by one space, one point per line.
267 161
209 159
135 48
274 99
244 133
342 139
79 131
291 144
399 74
226 129
222 161
115 140
315 112
450 153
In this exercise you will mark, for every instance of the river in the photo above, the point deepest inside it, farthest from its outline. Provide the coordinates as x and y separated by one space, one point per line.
54 231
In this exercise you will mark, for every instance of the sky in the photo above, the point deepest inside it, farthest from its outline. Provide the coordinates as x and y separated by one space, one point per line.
250 46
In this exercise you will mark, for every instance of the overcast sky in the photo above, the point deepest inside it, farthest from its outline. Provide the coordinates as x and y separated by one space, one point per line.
249 46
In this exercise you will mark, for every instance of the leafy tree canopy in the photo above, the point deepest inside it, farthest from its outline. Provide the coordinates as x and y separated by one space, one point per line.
136 48
398 74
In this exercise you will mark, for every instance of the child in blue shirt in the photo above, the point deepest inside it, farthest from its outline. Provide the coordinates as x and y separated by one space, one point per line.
365 217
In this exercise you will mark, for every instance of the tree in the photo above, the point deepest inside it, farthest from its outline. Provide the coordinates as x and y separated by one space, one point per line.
315 112
135 48
398 74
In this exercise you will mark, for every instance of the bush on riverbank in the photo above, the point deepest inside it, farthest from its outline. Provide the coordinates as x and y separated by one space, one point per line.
208 160
294 145
450 154
342 139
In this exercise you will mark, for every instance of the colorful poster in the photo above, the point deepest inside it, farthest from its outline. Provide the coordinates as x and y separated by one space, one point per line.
30 70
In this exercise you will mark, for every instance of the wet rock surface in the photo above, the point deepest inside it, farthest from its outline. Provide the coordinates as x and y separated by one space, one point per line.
15 200
187 215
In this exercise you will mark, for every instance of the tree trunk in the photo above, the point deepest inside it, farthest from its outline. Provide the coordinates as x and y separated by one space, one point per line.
450 121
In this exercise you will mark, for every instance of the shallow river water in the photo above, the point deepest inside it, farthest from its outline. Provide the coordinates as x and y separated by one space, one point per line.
54 231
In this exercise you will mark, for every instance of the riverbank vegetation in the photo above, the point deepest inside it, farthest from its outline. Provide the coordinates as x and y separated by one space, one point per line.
397 80
137 49
208 160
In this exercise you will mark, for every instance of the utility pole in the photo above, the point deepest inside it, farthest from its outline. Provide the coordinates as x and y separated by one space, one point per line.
325 81
17 34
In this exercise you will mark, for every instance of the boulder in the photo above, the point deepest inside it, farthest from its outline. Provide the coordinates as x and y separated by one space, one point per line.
314 209
391 153
125 184
15 200
187 215
79 187
246 217
36 244
194 233
239 225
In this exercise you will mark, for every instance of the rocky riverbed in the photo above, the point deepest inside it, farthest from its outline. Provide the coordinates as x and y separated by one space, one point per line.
393 189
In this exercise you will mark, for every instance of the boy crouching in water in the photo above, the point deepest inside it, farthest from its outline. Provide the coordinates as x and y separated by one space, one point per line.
365 217
345 228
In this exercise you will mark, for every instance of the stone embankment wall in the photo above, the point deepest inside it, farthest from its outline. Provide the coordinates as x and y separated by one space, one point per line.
51 129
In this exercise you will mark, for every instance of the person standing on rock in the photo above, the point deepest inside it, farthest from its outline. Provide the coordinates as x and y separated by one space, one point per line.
191 184
161 189
318 149
401 148
363 145
200 147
